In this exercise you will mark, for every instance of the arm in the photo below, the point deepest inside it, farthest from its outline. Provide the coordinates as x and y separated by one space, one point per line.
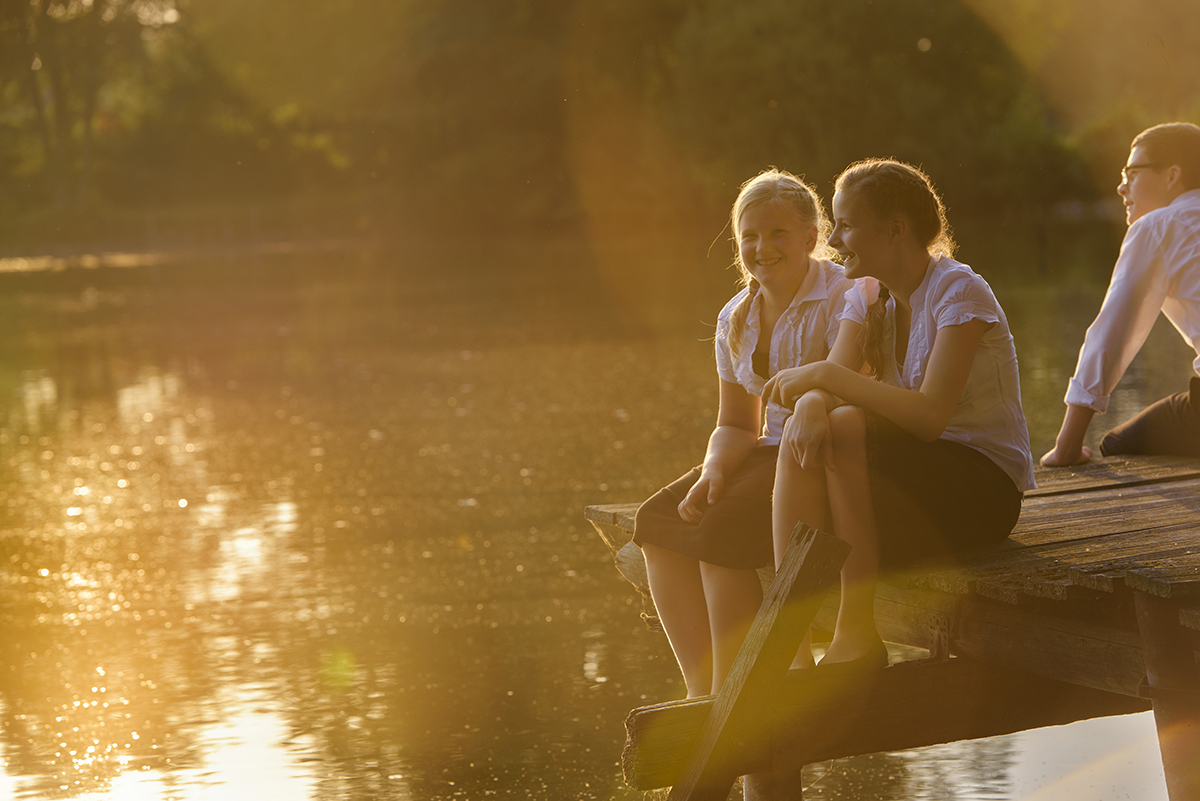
806 432
736 435
925 412
1068 447
1134 299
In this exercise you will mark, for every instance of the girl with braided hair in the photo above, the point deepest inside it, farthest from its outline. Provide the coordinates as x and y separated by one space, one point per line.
704 535
926 453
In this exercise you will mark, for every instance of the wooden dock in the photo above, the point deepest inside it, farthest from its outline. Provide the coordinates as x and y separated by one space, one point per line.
1091 608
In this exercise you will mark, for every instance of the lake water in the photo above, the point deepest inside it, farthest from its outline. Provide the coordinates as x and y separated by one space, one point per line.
310 526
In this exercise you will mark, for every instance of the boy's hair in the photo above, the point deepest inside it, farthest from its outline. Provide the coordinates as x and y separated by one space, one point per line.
1173 143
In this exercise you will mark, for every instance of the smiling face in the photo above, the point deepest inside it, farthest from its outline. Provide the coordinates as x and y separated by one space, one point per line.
859 236
1145 185
774 244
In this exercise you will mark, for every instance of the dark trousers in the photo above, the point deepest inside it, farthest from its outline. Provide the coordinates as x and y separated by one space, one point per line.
1169 427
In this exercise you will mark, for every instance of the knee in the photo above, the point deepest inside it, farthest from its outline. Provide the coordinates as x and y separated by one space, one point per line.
848 436
848 429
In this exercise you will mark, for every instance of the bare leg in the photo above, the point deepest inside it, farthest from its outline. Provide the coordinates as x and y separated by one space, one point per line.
734 597
799 496
854 522
678 593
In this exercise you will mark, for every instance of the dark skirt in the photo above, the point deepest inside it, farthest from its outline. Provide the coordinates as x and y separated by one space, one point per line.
735 532
932 501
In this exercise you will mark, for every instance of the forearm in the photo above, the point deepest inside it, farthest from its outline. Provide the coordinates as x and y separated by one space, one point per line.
728 447
1074 427
818 398
1068 446
913 411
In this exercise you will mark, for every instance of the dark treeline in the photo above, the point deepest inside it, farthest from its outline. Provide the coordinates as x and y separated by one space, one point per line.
368 116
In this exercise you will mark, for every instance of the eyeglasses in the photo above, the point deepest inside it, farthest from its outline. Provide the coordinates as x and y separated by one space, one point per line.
1130 171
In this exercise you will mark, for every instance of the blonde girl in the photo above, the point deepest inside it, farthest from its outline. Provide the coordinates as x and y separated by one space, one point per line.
704 535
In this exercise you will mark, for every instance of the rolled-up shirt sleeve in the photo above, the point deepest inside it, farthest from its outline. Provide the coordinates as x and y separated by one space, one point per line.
1134 299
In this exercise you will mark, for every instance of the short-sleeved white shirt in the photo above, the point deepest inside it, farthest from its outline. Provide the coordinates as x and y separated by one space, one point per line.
988 416
804 333
1158 270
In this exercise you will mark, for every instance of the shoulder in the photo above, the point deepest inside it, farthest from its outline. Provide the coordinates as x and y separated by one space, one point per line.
1180 218
954 282
958 294
727 313
859 296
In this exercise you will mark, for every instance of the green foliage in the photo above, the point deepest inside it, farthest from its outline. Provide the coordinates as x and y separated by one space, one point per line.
813 86
479 113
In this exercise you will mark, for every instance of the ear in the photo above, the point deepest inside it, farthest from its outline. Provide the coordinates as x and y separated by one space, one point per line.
810 242
1175 178
898 227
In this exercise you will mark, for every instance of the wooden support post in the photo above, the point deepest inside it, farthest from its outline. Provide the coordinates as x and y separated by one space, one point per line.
743 708
1173 686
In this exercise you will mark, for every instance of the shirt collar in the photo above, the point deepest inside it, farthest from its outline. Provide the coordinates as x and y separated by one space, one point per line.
813 287
917 300
1191 195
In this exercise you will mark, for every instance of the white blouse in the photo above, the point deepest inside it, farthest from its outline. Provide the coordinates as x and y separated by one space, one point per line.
988 416
1158 270
805 333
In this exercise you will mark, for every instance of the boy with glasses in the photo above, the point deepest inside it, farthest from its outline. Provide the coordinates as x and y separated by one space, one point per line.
1158 269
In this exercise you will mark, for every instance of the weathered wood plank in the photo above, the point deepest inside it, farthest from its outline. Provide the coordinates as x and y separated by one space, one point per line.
1177 578
1061 648
810 565
1112 471
1106 511
1189 617
1062 570
906 706
612 513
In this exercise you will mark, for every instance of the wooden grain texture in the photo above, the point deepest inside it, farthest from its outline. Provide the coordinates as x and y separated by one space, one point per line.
1062 648
810 565
905 706
1178 579
1112 471
1189 617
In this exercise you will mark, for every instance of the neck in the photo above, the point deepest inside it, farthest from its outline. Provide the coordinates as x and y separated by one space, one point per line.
908 277
778 297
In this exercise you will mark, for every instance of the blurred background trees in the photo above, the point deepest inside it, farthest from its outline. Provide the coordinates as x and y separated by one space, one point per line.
122 118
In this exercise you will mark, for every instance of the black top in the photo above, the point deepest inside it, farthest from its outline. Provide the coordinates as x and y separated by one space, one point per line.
761 361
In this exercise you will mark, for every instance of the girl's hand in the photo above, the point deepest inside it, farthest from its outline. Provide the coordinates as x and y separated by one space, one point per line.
786 386
806 433
703 494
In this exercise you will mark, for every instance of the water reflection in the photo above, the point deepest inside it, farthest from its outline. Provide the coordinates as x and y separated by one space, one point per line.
313 530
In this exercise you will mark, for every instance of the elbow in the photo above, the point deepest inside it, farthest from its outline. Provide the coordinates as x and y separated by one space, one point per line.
930 434
932 427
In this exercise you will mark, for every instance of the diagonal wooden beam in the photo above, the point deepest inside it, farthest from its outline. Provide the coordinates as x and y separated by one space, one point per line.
742 710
